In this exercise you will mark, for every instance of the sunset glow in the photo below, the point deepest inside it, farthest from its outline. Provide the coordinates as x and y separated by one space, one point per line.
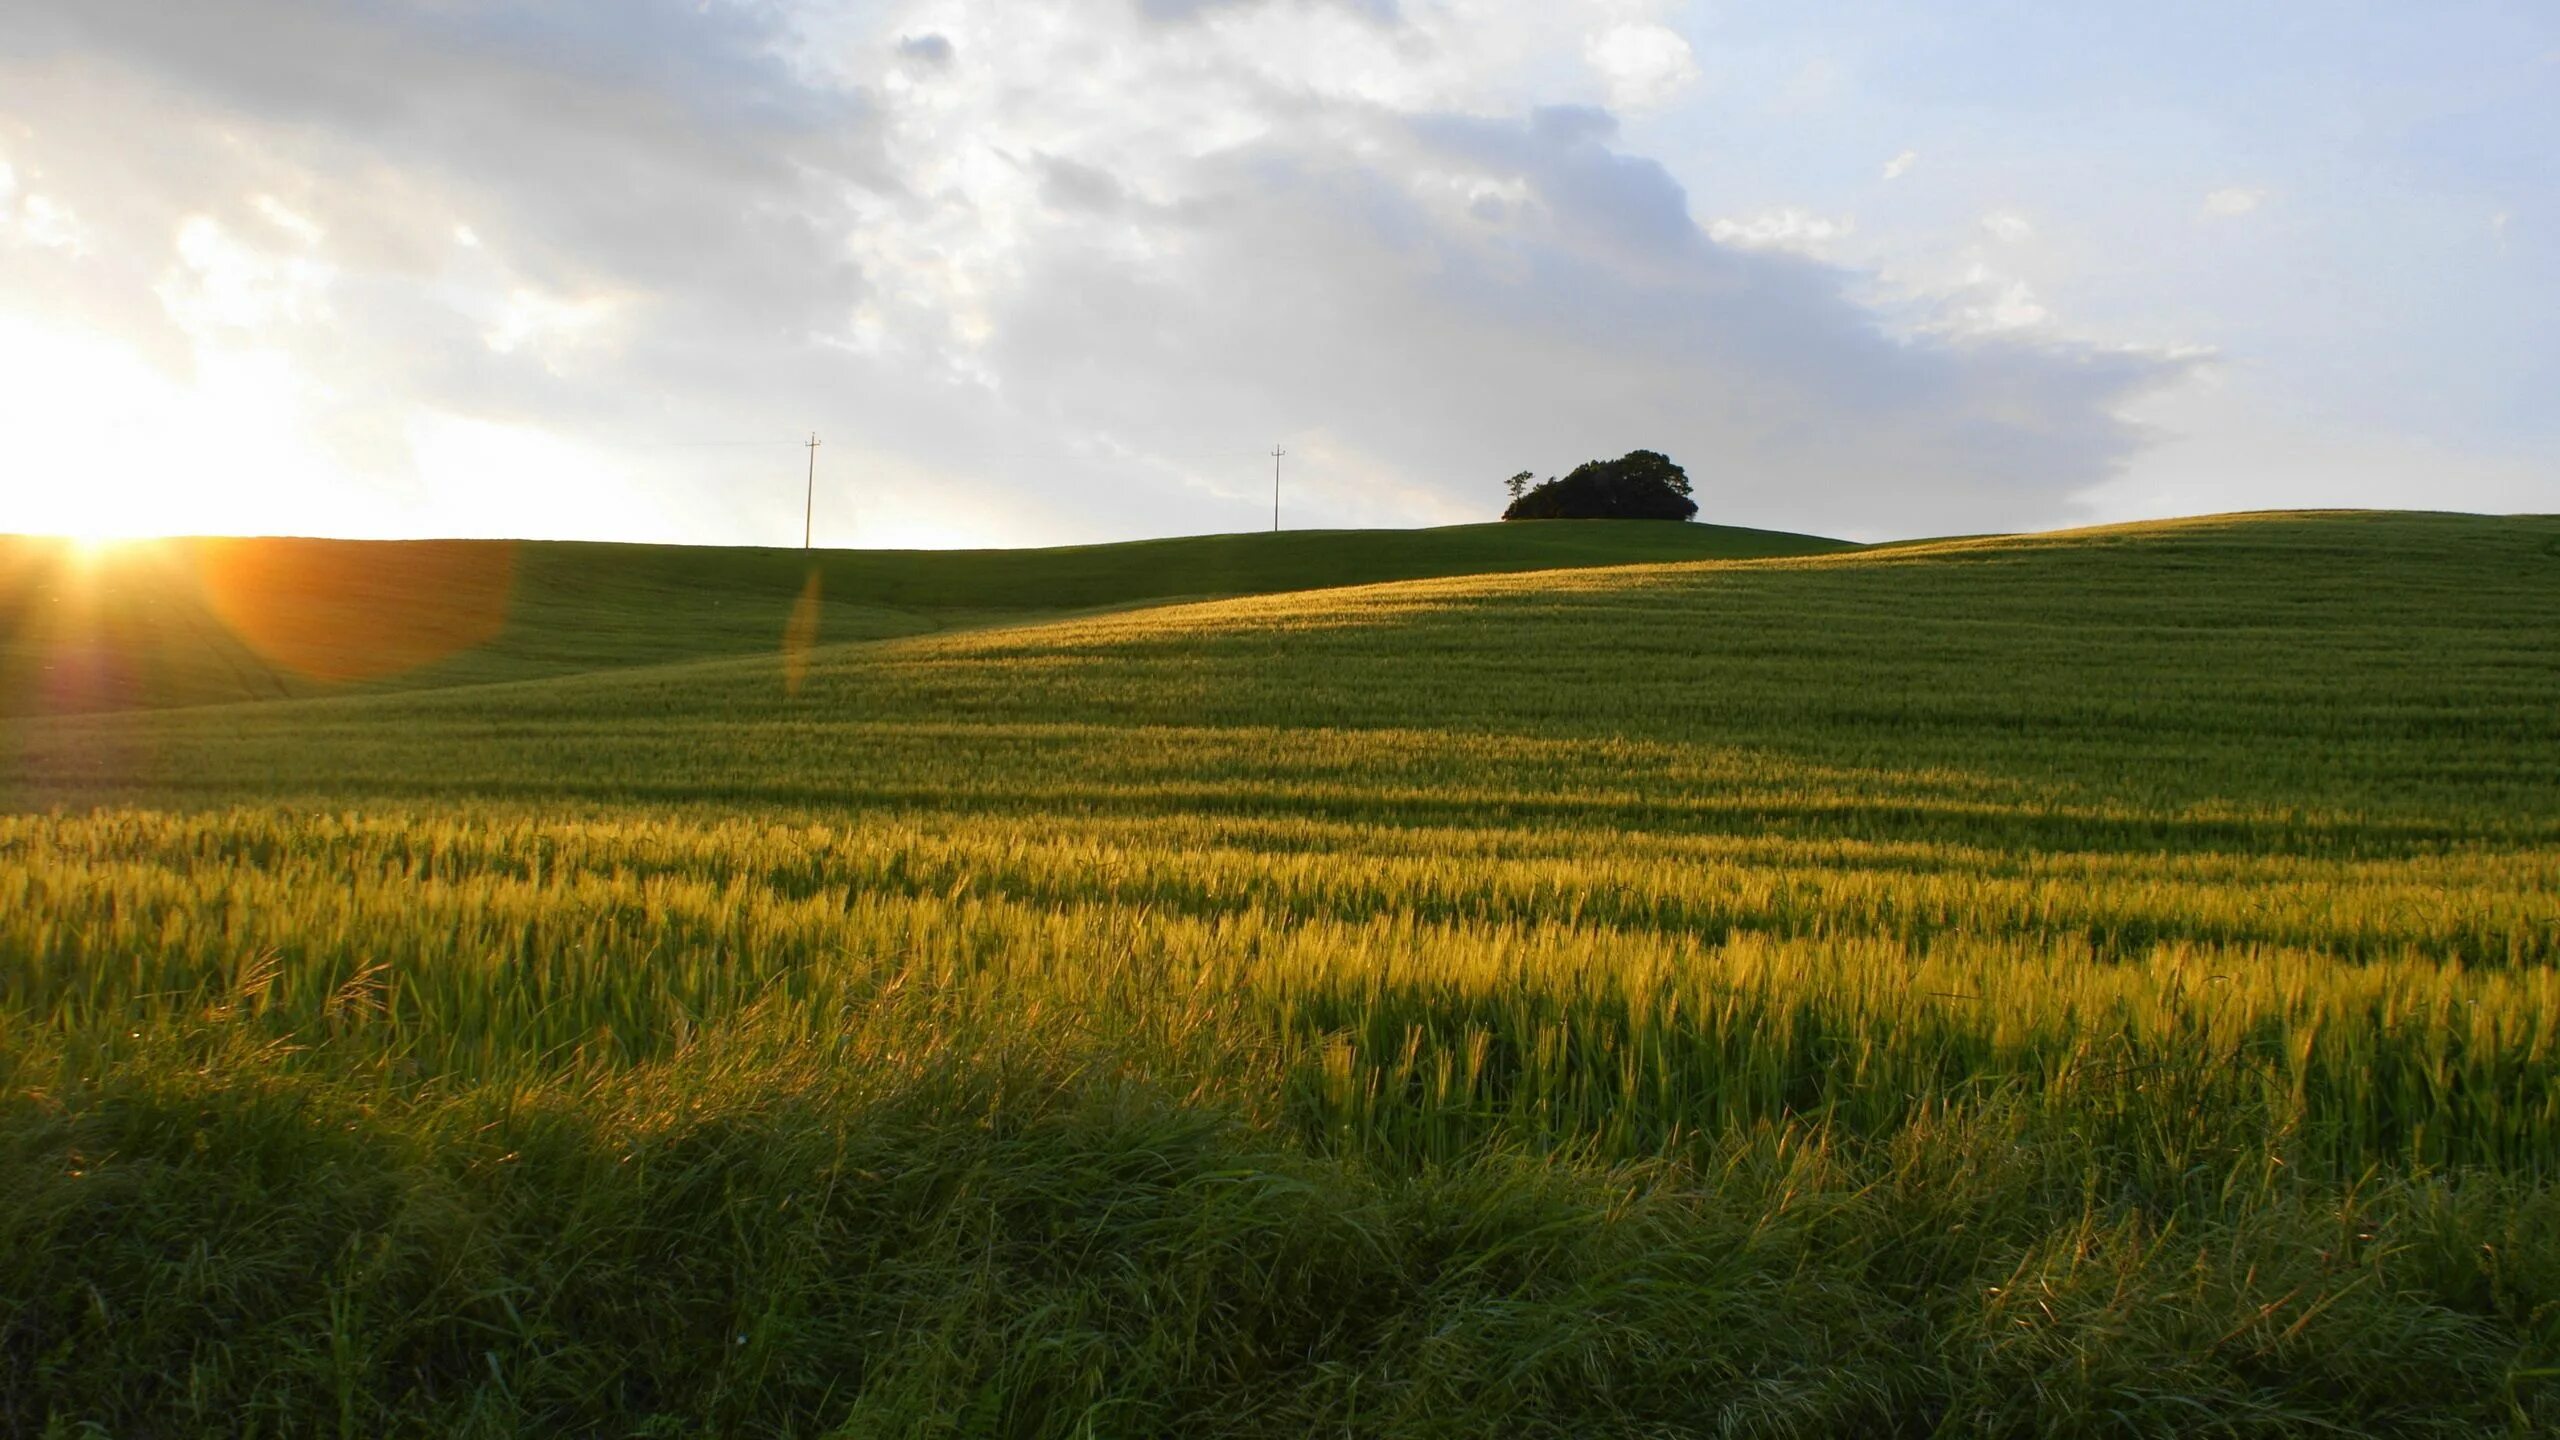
1400 718
599 277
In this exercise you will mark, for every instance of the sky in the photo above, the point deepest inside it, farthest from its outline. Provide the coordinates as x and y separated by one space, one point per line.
1059 271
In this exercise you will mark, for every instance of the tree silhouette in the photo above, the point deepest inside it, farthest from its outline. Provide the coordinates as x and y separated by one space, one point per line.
1639 485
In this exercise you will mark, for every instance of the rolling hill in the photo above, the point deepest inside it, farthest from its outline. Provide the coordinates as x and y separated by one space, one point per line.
2098 983
211 620
2384 673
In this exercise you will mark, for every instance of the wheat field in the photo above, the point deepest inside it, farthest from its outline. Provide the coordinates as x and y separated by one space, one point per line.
2098 984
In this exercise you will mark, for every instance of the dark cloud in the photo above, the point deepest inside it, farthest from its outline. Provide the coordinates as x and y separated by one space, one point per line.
654 143
1571 124
1071 186
1319 290
1629 200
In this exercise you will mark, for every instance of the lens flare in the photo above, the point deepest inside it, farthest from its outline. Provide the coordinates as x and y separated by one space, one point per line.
74 636
800 636
339 610
89 551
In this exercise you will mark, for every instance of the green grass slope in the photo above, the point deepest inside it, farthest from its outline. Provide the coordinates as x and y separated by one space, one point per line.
142 627
2365 679
2089 984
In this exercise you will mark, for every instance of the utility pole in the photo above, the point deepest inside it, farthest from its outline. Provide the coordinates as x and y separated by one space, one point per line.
1276 453
809 501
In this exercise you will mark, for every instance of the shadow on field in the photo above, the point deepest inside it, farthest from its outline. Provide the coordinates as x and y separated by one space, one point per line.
1011 1246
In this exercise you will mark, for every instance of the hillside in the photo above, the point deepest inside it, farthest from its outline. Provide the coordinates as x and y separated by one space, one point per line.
2099 983
206 621
2283 673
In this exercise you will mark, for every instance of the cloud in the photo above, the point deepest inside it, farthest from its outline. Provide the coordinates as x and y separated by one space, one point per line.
1900 165
2008 227
43 222
1990 303
1783 229
926 49
1072 288
1071 186
2233 200
664 143
1641 65
33 219
1429 347
1384 12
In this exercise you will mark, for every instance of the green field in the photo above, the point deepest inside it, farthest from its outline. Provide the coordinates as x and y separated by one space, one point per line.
144 627
2100 983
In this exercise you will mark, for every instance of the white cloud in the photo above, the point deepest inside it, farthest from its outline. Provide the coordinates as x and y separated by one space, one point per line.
2008 227
35 219
223 283
1070 284
287 219
1783 229
554 327
2233 200
1900 165
1641 65
48 224
1990 303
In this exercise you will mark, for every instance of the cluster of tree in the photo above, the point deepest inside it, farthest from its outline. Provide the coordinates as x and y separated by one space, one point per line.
1639 485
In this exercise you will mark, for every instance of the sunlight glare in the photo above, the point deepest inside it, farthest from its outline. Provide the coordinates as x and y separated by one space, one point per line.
114 447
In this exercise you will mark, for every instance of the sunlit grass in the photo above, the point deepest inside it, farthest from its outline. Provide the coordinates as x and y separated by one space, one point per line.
2095 984
212 620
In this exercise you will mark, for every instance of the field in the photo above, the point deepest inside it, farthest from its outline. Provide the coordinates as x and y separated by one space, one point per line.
182 622
2099 983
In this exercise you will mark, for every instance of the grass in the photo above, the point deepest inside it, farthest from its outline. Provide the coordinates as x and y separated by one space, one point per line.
2085 984
192 622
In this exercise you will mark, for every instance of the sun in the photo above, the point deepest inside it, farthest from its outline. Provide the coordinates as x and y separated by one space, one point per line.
90 548
114 449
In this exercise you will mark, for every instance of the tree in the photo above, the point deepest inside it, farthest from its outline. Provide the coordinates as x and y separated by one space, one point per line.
1518 485
1639 485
